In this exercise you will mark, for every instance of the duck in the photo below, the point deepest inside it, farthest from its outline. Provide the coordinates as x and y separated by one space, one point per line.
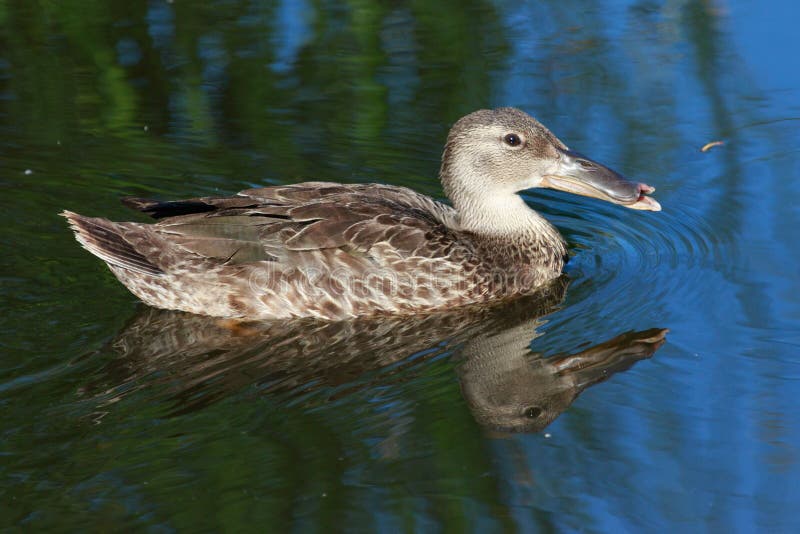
334 251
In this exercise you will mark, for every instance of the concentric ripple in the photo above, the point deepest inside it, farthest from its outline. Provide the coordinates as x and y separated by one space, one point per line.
626 260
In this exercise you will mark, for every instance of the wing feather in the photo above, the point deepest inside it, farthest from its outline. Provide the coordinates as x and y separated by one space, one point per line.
278 223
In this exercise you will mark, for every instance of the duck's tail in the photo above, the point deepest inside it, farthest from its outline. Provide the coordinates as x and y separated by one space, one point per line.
106 240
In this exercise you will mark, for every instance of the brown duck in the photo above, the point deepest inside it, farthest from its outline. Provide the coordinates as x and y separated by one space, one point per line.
333 251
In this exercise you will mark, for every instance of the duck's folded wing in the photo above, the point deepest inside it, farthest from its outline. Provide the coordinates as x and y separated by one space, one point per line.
275 223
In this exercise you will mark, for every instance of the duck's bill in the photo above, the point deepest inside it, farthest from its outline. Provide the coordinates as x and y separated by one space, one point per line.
580 175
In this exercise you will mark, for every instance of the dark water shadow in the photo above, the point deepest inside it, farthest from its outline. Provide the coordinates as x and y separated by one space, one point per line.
195 361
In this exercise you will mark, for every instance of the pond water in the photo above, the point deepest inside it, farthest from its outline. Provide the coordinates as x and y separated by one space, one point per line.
115 415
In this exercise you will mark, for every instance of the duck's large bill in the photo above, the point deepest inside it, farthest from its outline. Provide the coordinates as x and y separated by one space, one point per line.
580 175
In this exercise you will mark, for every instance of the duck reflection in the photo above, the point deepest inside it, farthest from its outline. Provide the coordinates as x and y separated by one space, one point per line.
510 388
198 360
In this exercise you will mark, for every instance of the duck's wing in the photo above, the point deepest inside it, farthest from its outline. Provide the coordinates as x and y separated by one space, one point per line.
280 223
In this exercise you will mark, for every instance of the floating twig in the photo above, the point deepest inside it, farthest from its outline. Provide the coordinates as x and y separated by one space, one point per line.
712 144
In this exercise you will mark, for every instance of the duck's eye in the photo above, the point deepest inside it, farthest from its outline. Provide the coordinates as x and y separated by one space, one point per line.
533 412
512 140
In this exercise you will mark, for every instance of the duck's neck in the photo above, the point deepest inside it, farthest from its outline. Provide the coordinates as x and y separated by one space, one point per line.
493 211
503 215
511 236
500 215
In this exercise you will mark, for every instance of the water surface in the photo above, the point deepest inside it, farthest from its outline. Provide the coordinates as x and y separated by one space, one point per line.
115 414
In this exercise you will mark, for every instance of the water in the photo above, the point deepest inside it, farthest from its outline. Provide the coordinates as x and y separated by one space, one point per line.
118 415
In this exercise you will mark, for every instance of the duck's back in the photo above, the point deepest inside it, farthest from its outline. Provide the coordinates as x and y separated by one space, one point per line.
314 249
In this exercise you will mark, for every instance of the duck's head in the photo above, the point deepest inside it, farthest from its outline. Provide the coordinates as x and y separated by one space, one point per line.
491 155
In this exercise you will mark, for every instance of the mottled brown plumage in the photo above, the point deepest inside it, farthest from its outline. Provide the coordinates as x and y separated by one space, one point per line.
333 251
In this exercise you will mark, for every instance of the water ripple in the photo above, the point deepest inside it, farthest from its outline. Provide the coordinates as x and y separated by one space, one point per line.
618 255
